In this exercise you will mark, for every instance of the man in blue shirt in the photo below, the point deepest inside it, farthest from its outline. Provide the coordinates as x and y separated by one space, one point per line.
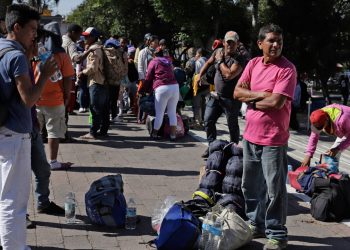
19 95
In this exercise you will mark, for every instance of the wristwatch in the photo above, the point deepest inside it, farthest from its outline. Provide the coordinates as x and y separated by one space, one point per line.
254 105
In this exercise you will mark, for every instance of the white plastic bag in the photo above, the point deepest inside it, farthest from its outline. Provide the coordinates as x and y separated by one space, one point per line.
160 211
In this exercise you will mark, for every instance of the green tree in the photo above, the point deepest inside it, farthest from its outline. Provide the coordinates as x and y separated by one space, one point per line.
38 4
131 18
205 20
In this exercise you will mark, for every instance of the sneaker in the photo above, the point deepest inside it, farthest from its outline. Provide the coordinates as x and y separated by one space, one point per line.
56 165
273 244
205 154
117 119
88 136
30 224
81 110
256 232
51 209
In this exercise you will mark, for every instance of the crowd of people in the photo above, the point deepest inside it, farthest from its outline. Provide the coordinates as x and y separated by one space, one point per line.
110 76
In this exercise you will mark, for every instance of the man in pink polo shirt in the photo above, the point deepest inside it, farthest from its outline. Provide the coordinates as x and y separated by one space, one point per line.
267 86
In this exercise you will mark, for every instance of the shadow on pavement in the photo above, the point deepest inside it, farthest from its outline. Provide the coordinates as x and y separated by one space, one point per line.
133 171
117 141
294 207
327 242
143 227
46 248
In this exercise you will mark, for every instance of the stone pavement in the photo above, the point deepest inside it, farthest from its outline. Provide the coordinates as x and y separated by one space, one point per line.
151 170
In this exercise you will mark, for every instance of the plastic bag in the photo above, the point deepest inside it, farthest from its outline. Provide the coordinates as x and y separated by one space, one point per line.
160 211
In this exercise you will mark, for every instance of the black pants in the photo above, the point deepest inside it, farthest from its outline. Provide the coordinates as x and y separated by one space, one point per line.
214 109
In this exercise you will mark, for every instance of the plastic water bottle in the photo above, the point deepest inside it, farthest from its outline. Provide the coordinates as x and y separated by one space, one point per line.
69 208
208 221
215 235
130 222
290 168
43 55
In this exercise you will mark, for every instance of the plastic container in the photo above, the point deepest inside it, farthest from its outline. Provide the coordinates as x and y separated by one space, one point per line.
43 55
208 221
160 211
69 208
130 222
215 234
290 168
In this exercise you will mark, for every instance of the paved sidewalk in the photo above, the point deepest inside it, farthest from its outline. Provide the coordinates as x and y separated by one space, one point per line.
151 170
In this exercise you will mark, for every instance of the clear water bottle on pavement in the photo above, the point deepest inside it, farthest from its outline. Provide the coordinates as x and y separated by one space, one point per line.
130 222
69 208
215 235
208 221
43 55
290 168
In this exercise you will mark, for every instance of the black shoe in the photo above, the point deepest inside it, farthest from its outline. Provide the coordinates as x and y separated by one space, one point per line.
206 153
52 209
30 224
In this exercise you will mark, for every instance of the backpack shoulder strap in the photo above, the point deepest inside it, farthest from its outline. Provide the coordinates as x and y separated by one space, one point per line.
5 50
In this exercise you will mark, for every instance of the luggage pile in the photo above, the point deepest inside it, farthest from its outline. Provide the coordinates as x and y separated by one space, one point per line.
215 217
328 188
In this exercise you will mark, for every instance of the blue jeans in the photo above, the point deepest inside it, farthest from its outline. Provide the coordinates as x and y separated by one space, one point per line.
214 109
41 170
264 188
83 97
99 109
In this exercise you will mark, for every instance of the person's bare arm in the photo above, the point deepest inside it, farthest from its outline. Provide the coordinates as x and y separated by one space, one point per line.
273 101
67 86
205 67
30 93
230 73
244 94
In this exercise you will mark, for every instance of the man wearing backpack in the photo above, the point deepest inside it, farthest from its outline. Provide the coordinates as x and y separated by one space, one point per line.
15 146
97 88
229 64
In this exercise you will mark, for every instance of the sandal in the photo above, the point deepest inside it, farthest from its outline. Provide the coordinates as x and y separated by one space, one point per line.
88 136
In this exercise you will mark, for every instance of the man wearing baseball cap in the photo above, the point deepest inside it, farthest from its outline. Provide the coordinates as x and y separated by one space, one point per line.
333 120
97 88
229 64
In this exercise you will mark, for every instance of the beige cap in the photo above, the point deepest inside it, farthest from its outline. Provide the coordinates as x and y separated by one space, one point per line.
231 36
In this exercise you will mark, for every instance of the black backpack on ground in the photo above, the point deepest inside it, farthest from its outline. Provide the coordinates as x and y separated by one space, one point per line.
330 200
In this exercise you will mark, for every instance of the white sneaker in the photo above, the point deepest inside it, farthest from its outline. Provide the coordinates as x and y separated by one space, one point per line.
81 110
117 119
55 165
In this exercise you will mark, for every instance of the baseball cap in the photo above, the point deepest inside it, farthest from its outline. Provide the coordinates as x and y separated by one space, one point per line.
216 44
231 36
318 120
148 36
112 42
91 31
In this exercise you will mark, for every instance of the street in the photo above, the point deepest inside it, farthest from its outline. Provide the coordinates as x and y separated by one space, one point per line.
151 171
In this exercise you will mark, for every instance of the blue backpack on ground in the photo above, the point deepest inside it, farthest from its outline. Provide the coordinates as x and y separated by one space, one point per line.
179 230
105 203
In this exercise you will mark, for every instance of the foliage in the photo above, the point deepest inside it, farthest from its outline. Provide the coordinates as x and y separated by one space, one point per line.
316 32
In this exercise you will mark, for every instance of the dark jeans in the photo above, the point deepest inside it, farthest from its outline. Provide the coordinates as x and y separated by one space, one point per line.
113 99
41 170
99 109
83 97
214 109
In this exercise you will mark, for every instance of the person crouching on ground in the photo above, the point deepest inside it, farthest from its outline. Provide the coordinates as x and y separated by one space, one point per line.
333 120
160 78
